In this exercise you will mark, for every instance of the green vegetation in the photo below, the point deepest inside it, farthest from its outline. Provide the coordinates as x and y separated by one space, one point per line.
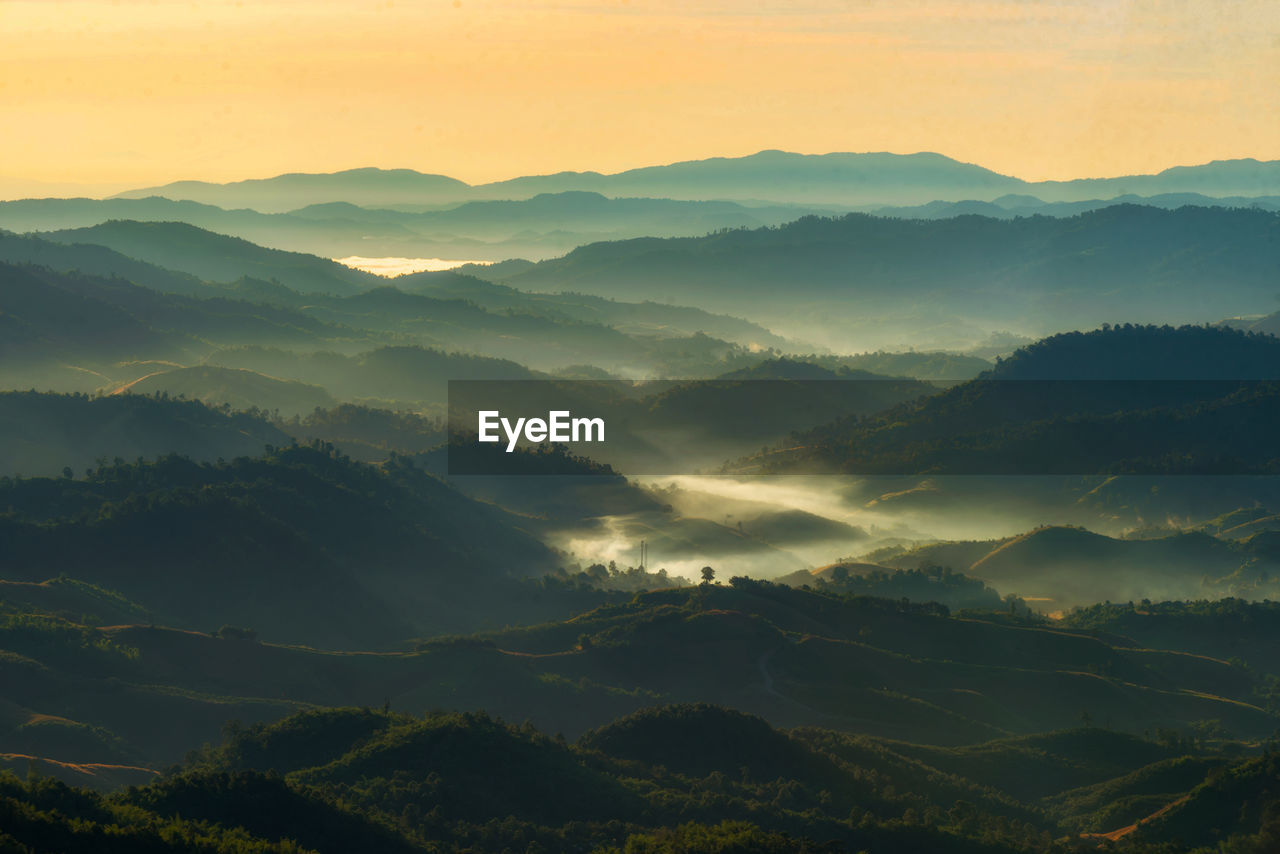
302 525
250 602
863 278
926 584
1132 400
684 778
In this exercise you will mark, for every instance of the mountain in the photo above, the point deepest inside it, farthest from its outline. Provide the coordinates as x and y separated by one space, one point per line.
544 226
1141 352
292 786
301 545
217 258
1017 205
854 277
555 796
1065 566
66 317
41 434
1145 399
295 190
234 388
644 318
76 332
444 311
781 176
93 260
840 178
927 583
666 427
769 175
853 664
1230 627
415 376
1245 176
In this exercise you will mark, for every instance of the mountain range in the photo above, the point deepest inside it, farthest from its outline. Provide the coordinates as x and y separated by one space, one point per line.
768 176
539 227
251 602
858 281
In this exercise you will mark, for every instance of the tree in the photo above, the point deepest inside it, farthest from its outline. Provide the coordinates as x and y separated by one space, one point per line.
708 575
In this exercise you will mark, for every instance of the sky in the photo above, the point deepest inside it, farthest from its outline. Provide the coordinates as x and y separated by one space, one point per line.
100 95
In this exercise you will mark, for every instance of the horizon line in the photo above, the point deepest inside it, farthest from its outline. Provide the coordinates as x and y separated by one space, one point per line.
144 185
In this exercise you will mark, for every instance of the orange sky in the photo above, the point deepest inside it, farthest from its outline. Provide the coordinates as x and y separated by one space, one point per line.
128 93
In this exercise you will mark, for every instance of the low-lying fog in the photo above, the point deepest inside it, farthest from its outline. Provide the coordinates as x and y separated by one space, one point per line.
1056 540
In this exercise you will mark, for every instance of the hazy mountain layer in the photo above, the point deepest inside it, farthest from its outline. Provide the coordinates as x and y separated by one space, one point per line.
325 550
541 227
217 258
775 176
860 279
1144 400
41 434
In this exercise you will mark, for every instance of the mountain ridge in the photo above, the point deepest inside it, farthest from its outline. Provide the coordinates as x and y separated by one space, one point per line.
745 178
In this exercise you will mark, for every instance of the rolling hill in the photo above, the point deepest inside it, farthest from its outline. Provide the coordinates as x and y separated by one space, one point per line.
231 387
301 545
875 667
1145 399
76 332
1072 566
41 434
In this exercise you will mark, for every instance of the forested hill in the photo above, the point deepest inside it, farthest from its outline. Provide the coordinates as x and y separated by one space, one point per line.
1145 352
1111 264
44 434
940 755
1122 399
302 544
216 257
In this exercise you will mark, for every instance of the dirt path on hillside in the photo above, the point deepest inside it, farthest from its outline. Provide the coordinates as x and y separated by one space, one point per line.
1120 833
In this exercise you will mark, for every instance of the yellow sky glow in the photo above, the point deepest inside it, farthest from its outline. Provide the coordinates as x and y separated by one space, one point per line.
129 93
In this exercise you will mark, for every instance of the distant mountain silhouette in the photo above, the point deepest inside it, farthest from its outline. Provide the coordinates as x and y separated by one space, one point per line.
294 190
781 176
1015 205
840 178
1037 273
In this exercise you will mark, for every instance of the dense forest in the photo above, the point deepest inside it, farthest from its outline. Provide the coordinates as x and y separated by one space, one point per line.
1124 400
